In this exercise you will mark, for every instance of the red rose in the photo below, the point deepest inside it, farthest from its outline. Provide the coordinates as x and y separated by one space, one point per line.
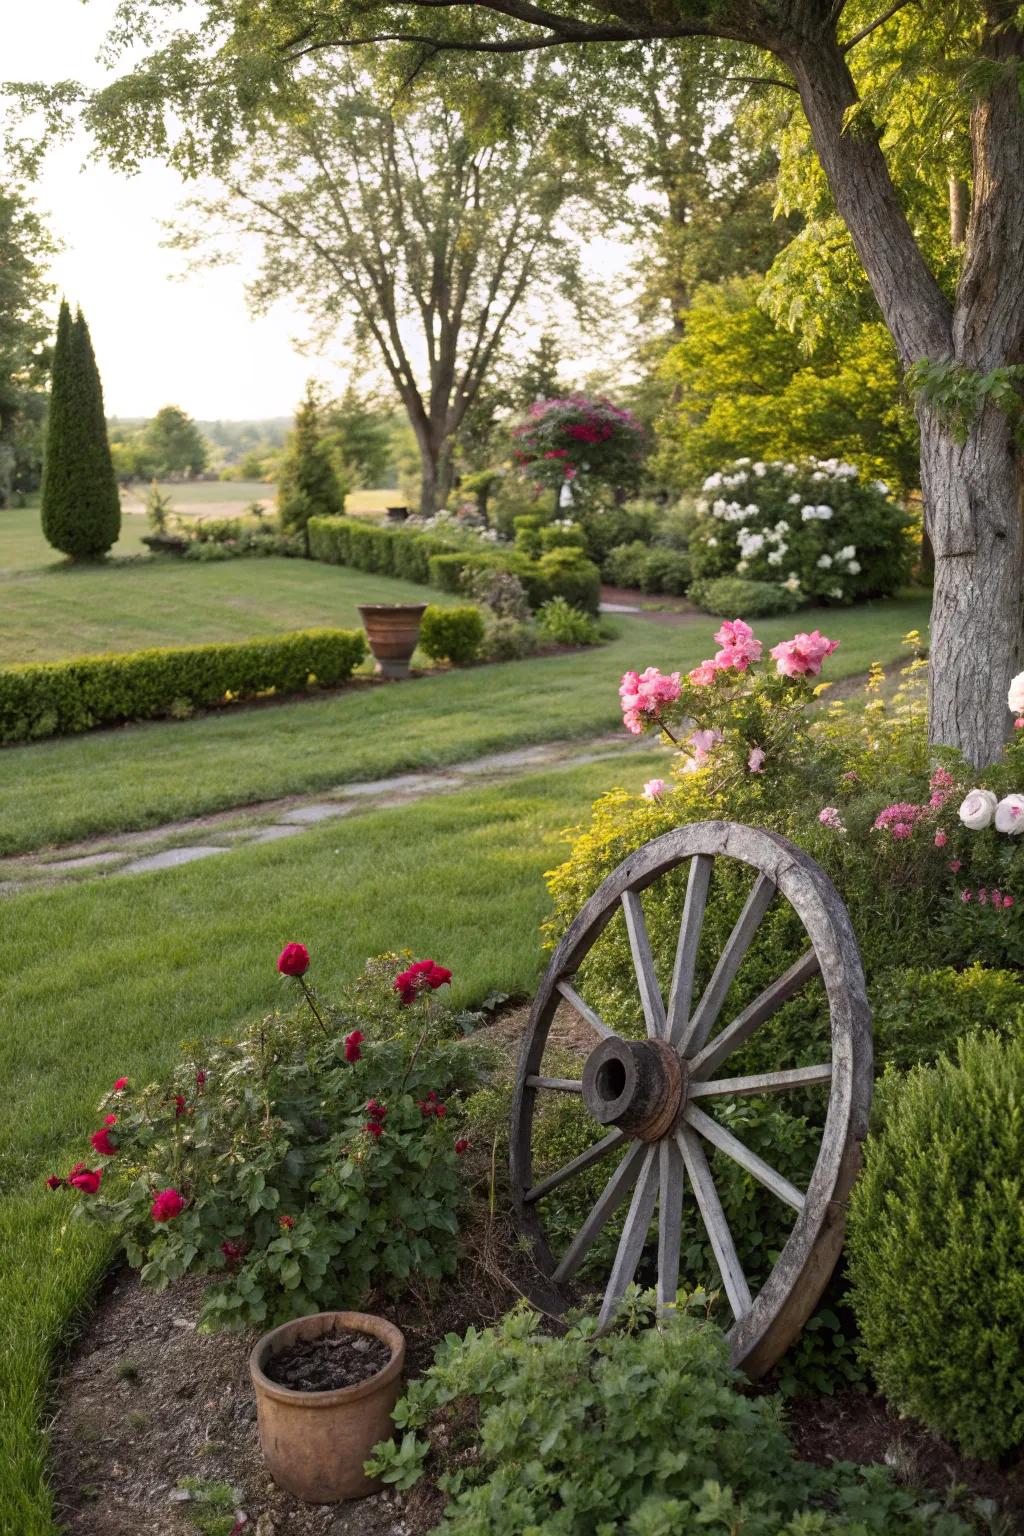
440 1110
200 1078
293 960
102 1143
352 1044
462 1145
179 1105
422 976
85 1179
234 1252
287 1222
53 1182
373 1128
167 1205
376 1111
121 1085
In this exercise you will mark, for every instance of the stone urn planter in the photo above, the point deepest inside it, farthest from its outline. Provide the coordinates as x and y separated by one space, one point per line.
315 1442
392 630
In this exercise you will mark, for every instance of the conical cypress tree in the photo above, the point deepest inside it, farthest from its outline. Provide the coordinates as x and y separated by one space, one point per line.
80 502
308 485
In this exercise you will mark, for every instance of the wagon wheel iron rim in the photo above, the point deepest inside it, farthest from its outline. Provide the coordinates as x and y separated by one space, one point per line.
654 1095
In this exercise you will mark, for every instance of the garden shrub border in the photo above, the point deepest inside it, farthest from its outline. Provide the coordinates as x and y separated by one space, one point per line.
57 698
428 560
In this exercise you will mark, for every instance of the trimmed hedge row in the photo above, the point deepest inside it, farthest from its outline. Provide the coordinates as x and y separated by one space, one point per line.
60 697
420 557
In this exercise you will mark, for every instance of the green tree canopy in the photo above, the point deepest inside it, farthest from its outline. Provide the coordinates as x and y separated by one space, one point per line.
25 247
172 444
741 385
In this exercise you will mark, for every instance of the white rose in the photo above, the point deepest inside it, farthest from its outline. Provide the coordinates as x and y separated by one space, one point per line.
1015 697
978 809
1010 815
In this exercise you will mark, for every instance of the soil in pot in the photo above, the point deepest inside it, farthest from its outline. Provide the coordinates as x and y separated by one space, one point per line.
340 1359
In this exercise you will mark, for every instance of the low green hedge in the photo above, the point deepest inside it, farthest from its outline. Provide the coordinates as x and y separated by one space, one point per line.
60 697
452 634
423 558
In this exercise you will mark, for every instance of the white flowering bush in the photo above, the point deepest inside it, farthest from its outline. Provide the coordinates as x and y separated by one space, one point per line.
815 529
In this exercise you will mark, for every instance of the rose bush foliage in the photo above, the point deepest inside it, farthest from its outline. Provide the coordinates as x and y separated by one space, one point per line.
562 438
814 529
301 1167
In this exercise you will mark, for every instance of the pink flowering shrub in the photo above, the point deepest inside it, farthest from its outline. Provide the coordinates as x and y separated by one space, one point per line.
748 708
564 438
295 1167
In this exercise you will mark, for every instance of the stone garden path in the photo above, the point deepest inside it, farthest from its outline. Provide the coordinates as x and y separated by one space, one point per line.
182 842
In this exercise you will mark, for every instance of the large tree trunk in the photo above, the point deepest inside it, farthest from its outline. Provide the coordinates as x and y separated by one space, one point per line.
974 511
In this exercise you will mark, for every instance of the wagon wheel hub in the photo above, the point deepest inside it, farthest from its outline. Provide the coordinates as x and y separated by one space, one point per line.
638 1085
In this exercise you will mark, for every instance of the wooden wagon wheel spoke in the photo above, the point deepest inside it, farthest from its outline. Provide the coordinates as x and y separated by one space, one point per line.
648 1094
634 1235
734 1148
742 1027
735 1281
680 998
585 1011
736 945
651 999
760 1082
608 1201
591 1155
670 1221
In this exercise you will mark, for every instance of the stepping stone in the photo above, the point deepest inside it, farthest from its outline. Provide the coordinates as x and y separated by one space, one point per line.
307 815
86 861
274 834
402 783
618 608
169 859
522 757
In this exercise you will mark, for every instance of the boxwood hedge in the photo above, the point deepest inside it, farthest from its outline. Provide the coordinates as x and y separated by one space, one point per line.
60 697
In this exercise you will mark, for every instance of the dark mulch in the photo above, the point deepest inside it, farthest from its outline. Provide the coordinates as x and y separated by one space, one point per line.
856 1426
343 1358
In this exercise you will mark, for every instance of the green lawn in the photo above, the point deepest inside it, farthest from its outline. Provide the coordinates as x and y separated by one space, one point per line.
105 979
23 548
141 776
52 612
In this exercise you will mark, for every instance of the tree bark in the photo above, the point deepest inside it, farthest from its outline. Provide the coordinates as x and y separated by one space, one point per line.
974 507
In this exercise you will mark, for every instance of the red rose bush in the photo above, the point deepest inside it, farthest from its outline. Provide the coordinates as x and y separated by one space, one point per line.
296 1166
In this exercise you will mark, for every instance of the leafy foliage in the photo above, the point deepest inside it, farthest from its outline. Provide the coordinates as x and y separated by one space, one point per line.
25 247
566 437
559 622
81 509
452 634
741 384
59 697
936 1246
641 1431
310 1161
738 594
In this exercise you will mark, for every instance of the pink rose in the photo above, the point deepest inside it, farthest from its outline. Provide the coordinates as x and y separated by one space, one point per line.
739 648
703 675
654 789
755 762
803 655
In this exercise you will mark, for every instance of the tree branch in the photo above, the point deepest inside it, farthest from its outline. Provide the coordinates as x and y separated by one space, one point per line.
873 26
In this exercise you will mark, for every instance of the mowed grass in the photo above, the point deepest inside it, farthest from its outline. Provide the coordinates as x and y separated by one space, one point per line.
23 548
106 979
142 776
51 613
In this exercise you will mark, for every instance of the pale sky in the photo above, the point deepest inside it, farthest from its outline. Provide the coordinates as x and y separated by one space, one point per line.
158 340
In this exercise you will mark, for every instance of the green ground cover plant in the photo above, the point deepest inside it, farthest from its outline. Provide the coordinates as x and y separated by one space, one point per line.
642 1431
59 698
52 792
136 965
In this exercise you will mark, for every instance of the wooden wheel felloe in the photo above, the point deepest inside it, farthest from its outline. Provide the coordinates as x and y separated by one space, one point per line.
656 1096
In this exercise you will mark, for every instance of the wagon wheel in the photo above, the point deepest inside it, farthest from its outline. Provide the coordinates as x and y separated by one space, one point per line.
654 1095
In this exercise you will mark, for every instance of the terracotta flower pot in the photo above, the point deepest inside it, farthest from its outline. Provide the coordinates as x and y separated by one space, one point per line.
315 1443
392 630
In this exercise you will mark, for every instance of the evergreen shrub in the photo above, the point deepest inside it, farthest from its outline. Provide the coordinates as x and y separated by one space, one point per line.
81 507
60 697
935 1246
452 634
